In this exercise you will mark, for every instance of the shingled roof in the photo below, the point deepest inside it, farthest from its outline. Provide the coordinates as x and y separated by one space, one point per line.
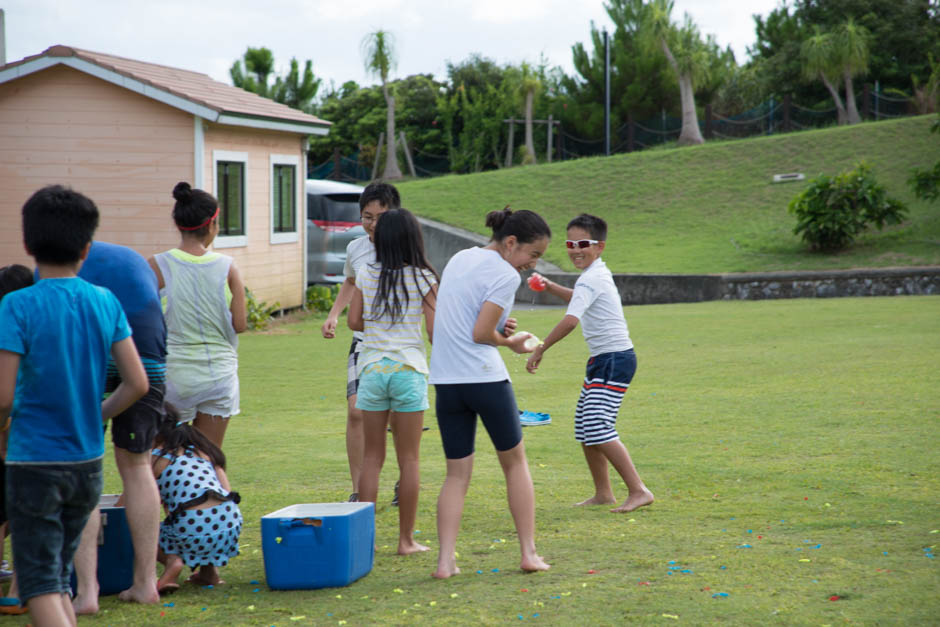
191 91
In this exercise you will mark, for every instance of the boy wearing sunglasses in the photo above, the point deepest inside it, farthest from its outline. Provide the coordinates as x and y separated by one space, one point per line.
595 303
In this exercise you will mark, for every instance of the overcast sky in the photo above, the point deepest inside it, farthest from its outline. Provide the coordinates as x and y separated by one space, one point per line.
208 35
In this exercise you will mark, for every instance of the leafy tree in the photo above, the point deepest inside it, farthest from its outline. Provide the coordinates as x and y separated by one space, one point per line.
259 64
902 33
641 84
688 57
819 63
378 50
291 89
839 54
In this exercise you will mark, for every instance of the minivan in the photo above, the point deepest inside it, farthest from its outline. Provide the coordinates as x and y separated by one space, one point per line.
332 222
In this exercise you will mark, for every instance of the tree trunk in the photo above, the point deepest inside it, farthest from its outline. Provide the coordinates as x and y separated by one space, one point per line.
529 143
840 110
691 134
851 110
392 171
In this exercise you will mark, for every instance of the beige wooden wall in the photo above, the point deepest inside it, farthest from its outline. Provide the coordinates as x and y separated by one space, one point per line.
121 149
273 272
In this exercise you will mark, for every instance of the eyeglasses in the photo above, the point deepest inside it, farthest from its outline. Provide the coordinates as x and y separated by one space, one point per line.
581 243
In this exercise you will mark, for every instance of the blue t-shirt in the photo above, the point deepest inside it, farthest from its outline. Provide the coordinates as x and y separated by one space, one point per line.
126 273
62 330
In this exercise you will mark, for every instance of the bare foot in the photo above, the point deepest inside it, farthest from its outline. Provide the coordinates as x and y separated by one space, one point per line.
635 501
146 596
598 500
84 605
407 548
533 564
168 580
446 568
206 576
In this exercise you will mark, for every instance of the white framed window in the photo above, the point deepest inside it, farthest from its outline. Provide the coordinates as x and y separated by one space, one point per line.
284 190
230 184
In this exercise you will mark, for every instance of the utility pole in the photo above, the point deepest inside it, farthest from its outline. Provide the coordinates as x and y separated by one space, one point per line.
606 93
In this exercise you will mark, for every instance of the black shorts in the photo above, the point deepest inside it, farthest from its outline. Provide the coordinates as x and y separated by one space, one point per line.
459 404
135 428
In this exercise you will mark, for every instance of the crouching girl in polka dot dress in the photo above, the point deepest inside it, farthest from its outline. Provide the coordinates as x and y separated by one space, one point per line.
203 523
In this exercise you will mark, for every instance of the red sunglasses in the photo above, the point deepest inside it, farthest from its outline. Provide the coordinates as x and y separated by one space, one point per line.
581 243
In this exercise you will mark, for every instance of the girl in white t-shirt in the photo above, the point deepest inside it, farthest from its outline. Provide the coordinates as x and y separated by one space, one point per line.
477 291
387 305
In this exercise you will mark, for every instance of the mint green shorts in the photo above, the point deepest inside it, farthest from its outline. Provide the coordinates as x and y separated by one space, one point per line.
388 384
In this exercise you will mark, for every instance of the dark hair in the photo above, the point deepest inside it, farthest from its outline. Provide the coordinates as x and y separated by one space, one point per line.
526 225
385 193
398 245
592 224
173 435
13 278
193 208
57 224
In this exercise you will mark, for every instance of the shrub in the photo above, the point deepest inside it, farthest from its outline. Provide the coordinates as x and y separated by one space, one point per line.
259 314
926 183
321 297
832 211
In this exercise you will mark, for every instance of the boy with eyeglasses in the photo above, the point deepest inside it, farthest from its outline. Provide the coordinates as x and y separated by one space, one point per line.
595 303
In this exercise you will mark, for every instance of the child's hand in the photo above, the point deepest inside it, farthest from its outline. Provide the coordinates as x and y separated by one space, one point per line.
535 359
516 343
328 330
510 327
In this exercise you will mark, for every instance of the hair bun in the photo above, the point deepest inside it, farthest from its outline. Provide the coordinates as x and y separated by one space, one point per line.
182 192
496 219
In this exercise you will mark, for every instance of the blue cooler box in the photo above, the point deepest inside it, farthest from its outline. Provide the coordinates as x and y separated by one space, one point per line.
115 550
318 545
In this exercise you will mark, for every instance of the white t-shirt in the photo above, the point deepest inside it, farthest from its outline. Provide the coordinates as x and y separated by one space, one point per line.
596 303
400 341
359 252
472 277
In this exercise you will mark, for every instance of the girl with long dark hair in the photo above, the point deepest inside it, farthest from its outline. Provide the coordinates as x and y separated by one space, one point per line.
390 299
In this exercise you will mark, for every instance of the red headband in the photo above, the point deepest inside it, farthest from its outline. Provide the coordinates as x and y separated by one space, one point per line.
206 223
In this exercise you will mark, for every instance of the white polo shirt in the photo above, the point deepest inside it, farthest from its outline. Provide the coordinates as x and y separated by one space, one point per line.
596 304
359 252
472 277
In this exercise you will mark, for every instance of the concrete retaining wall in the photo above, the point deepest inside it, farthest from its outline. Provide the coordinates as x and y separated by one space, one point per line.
648 289
441 241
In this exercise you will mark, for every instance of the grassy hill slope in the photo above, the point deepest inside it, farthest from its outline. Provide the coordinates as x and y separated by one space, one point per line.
710 208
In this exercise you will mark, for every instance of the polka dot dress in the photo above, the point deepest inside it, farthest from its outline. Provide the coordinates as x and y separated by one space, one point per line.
201 537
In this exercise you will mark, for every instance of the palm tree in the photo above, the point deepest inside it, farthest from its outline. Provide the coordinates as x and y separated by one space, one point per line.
260 63
378 51
529 86
820 63
852 52
688 57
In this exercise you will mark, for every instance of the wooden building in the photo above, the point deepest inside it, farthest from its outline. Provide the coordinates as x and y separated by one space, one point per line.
124 132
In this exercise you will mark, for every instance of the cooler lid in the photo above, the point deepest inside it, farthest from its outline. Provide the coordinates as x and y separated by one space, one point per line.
319 510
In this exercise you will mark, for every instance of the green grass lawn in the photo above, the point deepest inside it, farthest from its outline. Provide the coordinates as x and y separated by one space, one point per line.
710 208
791 446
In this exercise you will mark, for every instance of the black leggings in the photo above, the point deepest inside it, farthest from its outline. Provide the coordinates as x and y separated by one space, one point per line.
459 404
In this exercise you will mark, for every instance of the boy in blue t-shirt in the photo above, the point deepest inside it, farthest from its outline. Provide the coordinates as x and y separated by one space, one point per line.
595 303
57 334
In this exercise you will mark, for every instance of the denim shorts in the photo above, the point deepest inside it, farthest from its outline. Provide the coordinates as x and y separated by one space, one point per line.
48 506
388 384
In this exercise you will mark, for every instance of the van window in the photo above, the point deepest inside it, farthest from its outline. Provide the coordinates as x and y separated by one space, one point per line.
333 208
